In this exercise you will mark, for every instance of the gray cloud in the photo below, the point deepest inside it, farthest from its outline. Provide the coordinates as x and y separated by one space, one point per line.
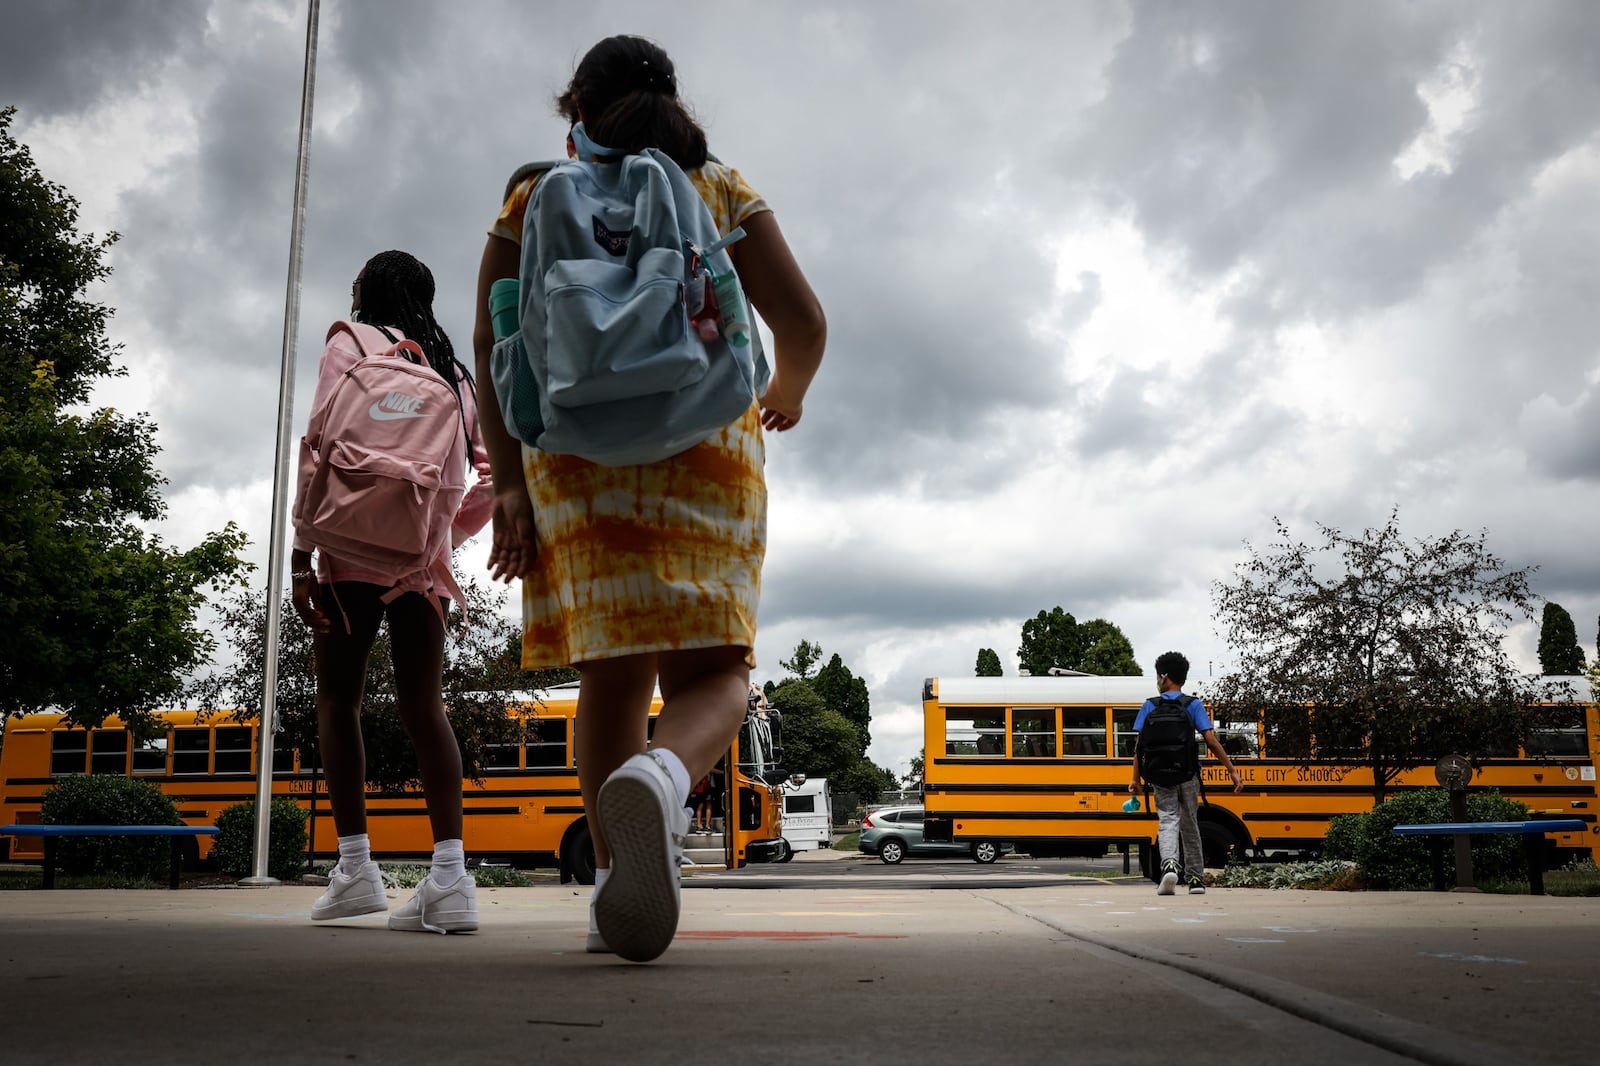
60 56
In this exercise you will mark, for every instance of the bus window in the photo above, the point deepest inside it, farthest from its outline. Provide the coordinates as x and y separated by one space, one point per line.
150 756
1557 731
233 750
501 757
1239 739
1122 719
1033 732
975 731
108 752
547 742
283 754
1083 731
191 752
69 752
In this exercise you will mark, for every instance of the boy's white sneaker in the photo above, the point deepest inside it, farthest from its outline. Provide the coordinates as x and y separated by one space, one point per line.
451 909
636 910
1169 879
349 895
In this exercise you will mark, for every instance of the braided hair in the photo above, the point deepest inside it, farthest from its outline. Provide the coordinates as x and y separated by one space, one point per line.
628 92
397 290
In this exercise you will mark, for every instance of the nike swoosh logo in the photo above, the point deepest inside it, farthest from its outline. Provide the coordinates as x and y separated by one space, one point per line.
384 416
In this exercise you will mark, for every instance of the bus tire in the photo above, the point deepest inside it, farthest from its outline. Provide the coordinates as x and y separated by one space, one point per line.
1217 843
785 852
577 857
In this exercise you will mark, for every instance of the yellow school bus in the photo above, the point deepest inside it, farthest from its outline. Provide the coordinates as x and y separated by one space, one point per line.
1044 762
526 809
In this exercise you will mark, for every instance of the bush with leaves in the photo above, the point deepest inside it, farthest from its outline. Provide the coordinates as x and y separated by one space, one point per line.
1396 862
235 850
108 800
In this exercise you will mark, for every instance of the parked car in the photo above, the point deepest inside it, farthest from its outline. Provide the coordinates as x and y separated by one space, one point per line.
892 833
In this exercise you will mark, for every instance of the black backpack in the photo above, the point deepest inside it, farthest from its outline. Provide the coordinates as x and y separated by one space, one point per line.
1166 749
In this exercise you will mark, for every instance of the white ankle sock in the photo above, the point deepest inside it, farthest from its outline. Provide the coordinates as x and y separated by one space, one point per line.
600 876
354 852
448 862
679 772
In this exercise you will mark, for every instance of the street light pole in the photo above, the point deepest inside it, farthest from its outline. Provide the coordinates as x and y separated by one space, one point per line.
268 729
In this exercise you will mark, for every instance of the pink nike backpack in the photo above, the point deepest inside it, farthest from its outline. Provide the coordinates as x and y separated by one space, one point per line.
383 463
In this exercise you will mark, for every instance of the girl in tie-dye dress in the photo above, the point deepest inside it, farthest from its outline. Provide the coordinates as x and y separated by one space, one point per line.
646 575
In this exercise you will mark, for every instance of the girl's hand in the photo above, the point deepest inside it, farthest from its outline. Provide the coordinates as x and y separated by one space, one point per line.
780 411
513 550
307 601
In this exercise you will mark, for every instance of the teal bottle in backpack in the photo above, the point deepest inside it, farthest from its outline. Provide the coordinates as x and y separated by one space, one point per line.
607 364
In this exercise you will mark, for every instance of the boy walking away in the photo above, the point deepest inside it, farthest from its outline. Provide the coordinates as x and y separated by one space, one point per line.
1167 759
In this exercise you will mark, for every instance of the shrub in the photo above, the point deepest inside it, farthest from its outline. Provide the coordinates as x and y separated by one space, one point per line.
1389 861
235 849
1335 874
108 800
1344 833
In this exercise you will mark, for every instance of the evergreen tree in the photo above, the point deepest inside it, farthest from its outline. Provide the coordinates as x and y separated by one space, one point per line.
988 663
1559 651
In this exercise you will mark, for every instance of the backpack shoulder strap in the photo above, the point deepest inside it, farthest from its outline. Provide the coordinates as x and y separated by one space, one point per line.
525 171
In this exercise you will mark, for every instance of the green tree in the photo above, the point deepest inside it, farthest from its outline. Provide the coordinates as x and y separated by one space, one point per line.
482 674
1056 640
98 616
846 694
1391 660
817 741
1050 639
913 778
988 663
1559 650
865 779
803 661
1110 652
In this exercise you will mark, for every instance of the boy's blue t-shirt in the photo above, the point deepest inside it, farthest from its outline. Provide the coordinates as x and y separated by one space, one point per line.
1197 712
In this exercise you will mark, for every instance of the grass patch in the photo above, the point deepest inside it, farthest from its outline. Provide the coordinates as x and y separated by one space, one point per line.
19 878
848 842
1579 878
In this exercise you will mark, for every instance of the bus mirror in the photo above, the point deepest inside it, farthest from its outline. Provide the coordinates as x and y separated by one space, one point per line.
775 777
797 780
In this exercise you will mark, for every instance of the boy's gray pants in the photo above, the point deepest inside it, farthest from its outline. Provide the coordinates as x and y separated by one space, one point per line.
1175 817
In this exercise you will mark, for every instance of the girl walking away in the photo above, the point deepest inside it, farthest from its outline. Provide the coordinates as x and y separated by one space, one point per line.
390 559
632 592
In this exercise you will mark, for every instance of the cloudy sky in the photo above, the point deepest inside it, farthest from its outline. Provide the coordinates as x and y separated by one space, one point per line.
1110 285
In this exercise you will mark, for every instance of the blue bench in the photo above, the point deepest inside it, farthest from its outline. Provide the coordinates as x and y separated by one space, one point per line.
52 833
1532 833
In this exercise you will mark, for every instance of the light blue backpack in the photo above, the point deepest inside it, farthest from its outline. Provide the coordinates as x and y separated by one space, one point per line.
616 360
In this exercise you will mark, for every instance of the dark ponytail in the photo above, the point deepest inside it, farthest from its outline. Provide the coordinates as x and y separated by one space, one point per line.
627 91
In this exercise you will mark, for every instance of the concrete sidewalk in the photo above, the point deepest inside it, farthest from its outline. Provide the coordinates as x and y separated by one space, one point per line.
1086 971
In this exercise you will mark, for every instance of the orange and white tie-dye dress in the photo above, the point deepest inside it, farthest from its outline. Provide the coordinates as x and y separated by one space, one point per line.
660 557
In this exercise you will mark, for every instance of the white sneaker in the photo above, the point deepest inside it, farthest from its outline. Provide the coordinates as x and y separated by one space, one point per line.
1169 881
637 909
351 894
452 909
594 943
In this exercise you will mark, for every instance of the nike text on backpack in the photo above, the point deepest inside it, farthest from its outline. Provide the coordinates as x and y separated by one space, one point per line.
1166 749
635 343
383 463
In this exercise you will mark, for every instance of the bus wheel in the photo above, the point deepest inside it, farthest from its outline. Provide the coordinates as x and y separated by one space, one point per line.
578 856
1217 844
785 852
985 851
1147 859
